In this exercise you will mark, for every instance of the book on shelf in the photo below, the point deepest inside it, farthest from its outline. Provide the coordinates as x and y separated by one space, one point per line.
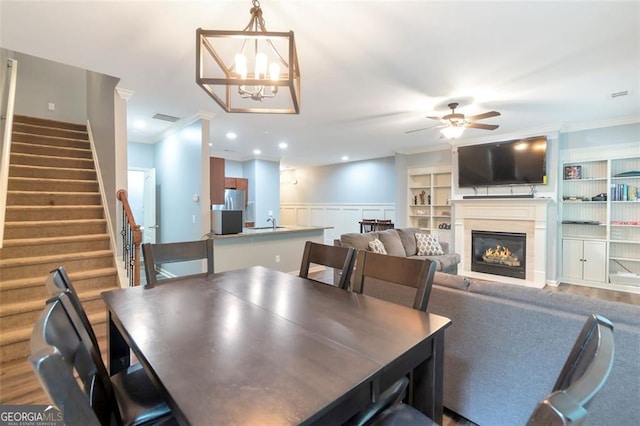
624 192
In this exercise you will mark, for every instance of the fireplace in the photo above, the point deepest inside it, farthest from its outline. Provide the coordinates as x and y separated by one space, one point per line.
499 253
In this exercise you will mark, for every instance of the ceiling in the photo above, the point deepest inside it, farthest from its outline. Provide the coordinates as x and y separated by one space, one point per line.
371 70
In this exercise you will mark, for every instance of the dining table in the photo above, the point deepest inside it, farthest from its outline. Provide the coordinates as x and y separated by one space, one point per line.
256 346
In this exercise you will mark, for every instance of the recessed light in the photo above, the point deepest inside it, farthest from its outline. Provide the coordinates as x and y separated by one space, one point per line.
210 144
345 157
231 135
257 152
282 145
139 124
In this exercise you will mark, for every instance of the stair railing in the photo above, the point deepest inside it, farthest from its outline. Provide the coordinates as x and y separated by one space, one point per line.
7 104
131 240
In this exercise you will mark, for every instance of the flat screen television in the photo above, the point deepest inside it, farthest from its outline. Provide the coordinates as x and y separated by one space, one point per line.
513 162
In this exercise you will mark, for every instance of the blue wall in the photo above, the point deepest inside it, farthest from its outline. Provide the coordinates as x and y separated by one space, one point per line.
140 155
178 178
361 182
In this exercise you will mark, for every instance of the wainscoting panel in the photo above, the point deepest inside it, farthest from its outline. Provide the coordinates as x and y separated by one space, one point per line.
344 218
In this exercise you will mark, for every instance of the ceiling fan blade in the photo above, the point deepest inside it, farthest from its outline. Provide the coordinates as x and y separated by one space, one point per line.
483 116
435 118
418 130
482 126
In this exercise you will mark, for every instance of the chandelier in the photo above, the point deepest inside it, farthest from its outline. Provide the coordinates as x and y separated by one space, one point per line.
252 70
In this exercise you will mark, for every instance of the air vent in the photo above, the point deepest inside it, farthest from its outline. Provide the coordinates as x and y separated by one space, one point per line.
618 94
165 117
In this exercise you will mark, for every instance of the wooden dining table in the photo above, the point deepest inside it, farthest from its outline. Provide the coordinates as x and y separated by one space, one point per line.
260 347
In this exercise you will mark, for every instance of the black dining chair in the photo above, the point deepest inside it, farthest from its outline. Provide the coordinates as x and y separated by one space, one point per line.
367 225
75 378
156 254
340 259
584 373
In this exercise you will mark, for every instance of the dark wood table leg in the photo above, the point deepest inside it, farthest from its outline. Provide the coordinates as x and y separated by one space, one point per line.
119 353
428 381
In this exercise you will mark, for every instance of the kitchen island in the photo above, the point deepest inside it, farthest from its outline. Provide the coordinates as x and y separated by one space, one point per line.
280 248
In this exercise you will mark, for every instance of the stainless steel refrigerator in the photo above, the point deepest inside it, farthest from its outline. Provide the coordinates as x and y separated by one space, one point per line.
228 218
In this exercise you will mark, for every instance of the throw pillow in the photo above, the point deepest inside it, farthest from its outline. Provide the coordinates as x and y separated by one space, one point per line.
377 247
428 245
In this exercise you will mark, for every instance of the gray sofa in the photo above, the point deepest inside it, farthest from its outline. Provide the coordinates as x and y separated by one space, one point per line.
508 343
401 242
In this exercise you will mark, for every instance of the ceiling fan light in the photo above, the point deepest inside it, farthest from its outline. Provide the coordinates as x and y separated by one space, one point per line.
452 132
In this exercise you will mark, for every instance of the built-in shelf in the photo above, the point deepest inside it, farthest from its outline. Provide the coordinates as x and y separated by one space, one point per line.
614 241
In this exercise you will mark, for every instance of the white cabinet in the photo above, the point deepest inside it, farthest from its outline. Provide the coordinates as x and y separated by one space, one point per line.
584 260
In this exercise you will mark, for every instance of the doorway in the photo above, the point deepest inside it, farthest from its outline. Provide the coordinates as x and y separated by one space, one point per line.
142 199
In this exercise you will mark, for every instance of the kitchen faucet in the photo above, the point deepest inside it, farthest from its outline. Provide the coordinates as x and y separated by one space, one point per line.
273 221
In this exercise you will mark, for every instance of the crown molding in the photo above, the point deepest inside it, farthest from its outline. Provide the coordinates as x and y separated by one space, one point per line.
125 94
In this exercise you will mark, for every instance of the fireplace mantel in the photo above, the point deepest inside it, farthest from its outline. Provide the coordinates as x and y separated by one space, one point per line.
527 215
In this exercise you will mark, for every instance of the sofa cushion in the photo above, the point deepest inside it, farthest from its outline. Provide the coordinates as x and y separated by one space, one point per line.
392 242
428 245
446 263
377 246
358 241
408 238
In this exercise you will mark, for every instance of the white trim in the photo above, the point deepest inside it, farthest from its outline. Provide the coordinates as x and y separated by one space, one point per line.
6 148
341 218
122 277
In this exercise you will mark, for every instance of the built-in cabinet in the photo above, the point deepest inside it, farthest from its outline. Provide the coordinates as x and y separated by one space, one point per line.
216 180
429 193
584 259
600 210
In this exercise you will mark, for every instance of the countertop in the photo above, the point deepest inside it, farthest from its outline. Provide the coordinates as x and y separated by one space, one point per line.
268 230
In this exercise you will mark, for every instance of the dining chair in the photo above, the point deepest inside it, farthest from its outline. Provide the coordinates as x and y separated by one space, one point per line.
58 282
75 378
367 225
340 259
415 273
156 254
585 371
382 224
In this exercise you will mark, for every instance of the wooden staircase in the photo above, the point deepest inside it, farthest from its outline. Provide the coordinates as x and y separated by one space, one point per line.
54 217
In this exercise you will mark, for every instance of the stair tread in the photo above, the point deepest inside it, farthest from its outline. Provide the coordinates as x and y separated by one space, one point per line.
58 207
52 157
74 276
54 192
18 242
51 180
30 166
7 309
23 261
46 146
52 222
20 334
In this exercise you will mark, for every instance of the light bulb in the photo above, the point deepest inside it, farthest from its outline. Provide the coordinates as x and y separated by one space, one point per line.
261 65
241 65
274 71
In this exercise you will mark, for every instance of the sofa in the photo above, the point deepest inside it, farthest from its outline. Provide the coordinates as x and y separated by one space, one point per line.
507 344
401 242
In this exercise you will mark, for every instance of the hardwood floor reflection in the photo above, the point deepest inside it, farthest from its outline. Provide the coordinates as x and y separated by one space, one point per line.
616 296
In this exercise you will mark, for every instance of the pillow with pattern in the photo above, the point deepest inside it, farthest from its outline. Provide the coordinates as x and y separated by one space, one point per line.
376 246
428 245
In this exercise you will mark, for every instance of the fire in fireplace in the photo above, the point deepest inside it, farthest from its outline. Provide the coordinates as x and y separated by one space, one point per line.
499 253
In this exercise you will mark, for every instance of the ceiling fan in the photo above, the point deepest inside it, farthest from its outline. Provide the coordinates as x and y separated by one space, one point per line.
454 123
